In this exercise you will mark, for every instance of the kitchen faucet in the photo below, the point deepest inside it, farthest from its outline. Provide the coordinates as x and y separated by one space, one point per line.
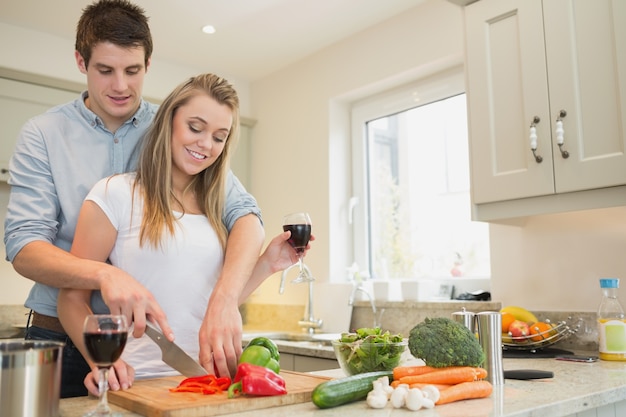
358 286
309 323
281 288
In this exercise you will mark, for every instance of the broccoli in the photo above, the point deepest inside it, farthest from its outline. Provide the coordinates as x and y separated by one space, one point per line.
441 342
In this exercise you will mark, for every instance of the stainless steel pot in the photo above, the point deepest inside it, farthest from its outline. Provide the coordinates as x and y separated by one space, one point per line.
30 378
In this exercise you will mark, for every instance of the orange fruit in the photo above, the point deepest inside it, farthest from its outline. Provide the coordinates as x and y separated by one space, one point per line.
507 319
540 331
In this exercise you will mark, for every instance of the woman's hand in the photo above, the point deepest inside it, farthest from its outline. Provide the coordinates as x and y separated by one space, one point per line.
279 254
121 375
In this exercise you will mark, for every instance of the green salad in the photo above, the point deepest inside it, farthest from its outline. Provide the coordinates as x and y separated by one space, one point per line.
369 350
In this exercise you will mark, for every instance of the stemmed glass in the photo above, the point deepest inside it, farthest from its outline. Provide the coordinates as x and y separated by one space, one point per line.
105 337
299 224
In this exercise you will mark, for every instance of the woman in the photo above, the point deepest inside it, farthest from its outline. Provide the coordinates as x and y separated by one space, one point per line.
163 223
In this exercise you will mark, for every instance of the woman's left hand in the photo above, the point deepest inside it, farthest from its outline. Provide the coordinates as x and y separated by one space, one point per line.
280 255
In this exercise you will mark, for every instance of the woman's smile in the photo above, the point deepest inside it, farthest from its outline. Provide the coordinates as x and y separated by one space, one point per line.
196 155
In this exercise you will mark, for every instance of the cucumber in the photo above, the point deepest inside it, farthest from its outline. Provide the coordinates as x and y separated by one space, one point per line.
346 390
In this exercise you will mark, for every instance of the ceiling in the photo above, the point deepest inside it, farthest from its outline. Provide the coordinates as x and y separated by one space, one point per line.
253 39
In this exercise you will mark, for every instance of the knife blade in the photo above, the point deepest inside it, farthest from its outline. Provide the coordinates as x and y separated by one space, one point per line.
173 355
525 374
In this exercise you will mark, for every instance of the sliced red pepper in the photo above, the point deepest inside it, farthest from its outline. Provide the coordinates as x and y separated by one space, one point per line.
206 390
205 384
256 380
202 378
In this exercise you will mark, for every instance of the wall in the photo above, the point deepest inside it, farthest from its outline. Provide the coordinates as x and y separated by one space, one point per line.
301 162
301 143
553 262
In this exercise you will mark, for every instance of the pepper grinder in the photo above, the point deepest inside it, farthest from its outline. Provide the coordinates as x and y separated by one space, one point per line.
466 318
489 325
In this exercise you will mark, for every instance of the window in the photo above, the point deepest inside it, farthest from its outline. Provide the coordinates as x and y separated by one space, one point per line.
411 182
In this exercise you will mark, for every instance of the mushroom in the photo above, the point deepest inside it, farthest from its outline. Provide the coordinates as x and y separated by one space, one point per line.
414 399
398 396
431 392
377 398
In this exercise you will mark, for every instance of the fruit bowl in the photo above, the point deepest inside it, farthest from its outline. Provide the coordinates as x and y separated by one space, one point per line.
541 339
359 356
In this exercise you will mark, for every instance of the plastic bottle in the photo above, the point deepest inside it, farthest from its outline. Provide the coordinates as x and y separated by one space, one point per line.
611 323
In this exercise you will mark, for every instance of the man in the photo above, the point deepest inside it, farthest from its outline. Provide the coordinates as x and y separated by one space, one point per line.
61 154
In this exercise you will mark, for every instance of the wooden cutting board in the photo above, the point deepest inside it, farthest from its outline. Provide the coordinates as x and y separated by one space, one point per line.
152 398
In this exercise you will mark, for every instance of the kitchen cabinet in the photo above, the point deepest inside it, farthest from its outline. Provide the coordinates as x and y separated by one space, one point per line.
617 409
19 101
22 97
302 363
546 65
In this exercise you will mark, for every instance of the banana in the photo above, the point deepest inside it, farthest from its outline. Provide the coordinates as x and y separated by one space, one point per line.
520 313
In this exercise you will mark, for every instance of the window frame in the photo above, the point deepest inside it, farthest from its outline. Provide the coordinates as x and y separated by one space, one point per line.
423 91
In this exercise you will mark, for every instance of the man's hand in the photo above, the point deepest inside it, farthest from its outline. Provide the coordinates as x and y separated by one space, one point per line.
125 295
122 375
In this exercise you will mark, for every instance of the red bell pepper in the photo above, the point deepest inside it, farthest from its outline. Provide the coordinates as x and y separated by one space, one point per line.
205 384
256 380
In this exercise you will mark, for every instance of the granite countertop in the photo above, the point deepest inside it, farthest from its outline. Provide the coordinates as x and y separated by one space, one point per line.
575 388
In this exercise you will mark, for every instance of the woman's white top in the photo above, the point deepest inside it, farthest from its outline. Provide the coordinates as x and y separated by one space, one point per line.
181 274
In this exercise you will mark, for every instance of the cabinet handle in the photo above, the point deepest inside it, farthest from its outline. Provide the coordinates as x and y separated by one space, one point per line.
560 133
533 139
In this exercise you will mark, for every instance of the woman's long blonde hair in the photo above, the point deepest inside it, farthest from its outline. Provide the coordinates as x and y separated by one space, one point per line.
154 170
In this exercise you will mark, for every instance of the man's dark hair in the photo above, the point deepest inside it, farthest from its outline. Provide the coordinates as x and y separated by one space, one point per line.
117 21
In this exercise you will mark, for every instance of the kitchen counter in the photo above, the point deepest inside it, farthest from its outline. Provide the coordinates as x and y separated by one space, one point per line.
316 349
575 388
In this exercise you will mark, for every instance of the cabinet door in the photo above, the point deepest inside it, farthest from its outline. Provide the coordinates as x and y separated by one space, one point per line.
310 364
507 88
287 361
586 60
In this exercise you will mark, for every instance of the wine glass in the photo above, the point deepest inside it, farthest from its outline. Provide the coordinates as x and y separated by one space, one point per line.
299 224
105 337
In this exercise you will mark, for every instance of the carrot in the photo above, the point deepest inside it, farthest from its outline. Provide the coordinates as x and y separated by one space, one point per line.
450 375
465 391
420 385
440 387
402 371
481 373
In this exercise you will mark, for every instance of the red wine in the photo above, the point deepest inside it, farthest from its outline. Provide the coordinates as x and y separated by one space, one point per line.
300 235
105 348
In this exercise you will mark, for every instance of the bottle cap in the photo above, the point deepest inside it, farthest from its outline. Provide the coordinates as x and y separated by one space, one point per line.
609 282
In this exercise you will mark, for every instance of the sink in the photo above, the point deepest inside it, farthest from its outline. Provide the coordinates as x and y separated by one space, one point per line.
323 338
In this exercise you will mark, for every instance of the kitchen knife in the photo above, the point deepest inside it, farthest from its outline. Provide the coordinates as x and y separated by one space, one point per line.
525 374
173 355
